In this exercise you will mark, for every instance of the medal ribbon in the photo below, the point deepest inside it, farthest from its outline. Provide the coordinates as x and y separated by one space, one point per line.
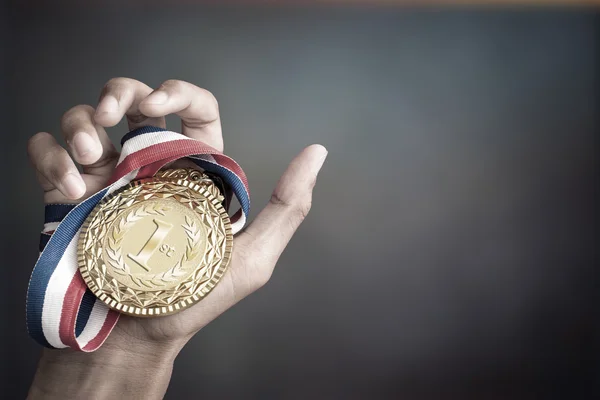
61 311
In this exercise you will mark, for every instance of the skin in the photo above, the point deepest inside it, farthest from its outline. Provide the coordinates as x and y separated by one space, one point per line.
136 360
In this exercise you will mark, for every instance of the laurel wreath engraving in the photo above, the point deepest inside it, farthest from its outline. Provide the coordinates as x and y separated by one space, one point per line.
115 257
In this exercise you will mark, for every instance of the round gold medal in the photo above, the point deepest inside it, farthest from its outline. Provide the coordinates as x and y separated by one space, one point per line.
158 245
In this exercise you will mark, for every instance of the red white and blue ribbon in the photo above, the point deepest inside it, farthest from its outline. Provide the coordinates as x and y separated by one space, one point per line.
61 310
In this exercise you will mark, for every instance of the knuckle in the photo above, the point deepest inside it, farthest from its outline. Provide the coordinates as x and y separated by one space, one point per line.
172 84
86 109
34 141
56 172
118 86
298 209
211 106
277 200
54 155
75 113
136 117
52 164
117 82
211 98
261 277
303 209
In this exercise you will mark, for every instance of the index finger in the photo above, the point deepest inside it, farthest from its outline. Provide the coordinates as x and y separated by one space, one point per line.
121 97
197 107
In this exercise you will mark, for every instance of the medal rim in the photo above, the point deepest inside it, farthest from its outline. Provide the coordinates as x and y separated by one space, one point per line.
187 301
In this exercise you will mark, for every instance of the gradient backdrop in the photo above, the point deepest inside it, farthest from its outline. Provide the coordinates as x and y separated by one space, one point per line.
450 252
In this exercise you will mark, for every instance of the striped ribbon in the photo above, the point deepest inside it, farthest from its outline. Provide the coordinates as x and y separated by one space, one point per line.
61 310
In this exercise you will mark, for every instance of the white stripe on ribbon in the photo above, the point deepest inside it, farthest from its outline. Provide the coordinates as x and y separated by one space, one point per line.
55 294
122 182
94 323
50 226
141 142
239 224
206 157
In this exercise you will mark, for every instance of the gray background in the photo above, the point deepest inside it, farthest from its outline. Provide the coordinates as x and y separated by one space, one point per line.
450 249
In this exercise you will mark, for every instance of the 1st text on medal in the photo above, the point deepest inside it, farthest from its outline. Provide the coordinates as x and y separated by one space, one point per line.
155 242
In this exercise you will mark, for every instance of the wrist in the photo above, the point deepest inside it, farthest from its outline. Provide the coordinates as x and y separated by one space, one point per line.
127 370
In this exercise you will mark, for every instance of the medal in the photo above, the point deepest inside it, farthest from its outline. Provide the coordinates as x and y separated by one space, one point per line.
157 245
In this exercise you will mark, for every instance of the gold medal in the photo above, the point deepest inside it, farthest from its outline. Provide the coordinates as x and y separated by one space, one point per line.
158 245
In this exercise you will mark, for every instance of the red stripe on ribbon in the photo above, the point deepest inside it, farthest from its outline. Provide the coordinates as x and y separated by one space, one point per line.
70 309
237 216
171 151
161 151
149 170
230 164
109 323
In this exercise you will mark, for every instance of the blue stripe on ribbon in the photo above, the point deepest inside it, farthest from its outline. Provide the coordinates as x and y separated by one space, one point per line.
230 178
53 213
85 309
141 131
46 264
44 239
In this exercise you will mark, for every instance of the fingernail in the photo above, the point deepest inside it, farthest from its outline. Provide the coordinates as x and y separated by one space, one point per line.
108 105
73 186
159 97
83 144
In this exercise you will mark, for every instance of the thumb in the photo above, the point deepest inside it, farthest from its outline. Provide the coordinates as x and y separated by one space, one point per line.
272 229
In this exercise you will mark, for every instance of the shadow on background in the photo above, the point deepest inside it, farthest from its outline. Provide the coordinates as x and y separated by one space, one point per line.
450 252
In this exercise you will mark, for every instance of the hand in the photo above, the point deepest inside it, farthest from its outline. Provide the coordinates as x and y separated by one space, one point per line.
255 251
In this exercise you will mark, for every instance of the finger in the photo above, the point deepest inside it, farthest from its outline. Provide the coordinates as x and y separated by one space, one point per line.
264 240
54 166
88 141
121 97
197 107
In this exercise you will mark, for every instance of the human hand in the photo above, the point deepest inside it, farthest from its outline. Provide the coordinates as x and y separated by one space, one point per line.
156 341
